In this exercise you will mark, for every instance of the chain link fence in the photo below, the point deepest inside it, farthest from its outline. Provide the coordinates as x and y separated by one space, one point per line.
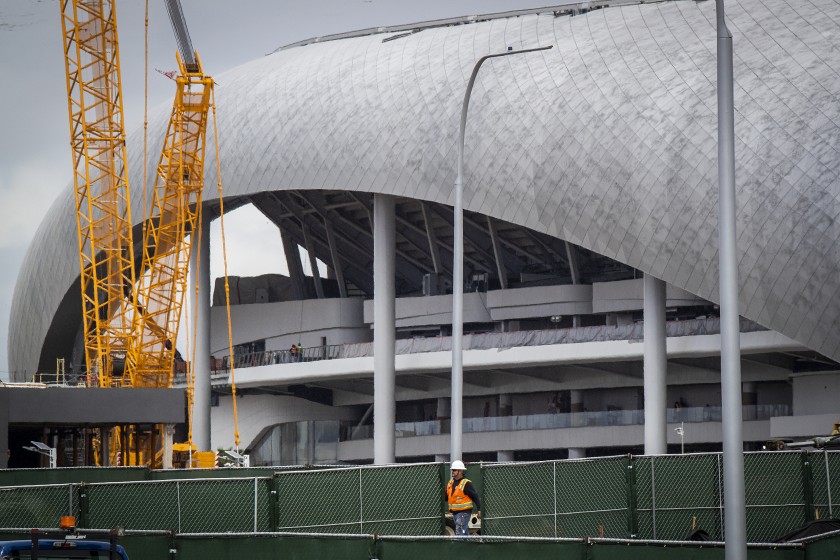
556 499
650 497
679 494
395 500
37 506
777 486
184 506
663 497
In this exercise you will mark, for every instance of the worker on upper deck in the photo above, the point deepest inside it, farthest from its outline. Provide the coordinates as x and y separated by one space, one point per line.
462 498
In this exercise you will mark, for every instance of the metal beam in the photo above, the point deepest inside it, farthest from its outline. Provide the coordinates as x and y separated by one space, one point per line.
290 248
510 245
318 205
434 250
272 208
470 238
336 261
547 249
571 256
313 260
501 270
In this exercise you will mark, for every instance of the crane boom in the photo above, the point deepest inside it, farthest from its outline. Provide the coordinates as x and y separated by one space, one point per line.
182 34
175 213
103 212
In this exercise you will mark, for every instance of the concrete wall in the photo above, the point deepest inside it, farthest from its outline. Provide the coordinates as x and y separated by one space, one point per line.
561 438
284 323
77 406
816 393
256 413
542 301
434 310
628 295
348 320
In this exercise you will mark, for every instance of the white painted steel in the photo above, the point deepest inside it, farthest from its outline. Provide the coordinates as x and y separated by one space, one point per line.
384 332
655 368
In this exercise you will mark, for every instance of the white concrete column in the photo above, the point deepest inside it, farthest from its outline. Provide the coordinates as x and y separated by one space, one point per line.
656 434
200 267
576 453
168 435
504 456
384 328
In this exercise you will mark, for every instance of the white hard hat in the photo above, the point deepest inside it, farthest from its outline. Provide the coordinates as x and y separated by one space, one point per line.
458 466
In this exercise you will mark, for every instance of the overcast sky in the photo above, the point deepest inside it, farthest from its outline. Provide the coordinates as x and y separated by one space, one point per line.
35 161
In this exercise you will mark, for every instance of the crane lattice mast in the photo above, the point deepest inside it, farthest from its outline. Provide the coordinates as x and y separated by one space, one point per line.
175 214
103 213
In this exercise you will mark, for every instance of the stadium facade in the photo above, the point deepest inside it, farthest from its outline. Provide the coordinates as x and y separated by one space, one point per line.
588 168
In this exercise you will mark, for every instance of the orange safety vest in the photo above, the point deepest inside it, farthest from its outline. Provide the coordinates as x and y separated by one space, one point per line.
458 501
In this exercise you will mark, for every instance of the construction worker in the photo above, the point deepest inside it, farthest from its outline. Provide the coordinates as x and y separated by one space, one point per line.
462 497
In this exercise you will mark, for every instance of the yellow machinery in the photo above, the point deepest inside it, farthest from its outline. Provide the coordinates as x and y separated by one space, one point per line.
103 213
131 329
176 205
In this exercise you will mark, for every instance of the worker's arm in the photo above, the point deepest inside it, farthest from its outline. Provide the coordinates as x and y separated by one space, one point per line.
470 491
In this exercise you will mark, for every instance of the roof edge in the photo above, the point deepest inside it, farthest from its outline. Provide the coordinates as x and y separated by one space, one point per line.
569 9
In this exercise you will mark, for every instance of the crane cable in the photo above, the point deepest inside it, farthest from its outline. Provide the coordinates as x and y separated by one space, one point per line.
193 334
231 360
145 113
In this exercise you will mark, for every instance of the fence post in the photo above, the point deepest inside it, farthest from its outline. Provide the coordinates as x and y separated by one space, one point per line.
256 503
443 472
82 521
828 482
807 486
178 501
554 483
273 505
653 494
630 480
361 505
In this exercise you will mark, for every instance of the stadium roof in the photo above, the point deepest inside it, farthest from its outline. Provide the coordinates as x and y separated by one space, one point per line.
608 141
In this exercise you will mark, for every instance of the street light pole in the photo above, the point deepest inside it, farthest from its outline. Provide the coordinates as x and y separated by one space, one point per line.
458 271
734 502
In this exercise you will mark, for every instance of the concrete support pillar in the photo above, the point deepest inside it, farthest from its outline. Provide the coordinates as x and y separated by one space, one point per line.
656 434
505 405
749 400
575 401
384 328
576 453
200 266
168 436
504 456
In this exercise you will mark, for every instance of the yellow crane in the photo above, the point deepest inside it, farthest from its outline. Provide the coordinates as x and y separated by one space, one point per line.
131 328
100 178
175 213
